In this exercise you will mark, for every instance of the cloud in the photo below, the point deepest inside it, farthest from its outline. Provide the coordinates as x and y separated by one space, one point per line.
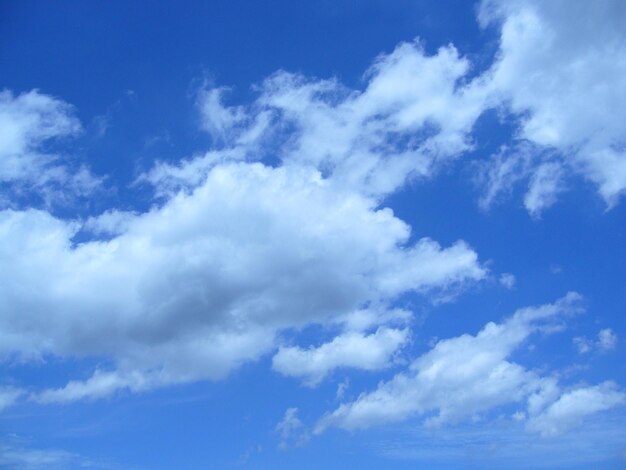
342 388
236 252
606 341
583 345
192 289
559 68
28 123
15 454
461 378
545 184
413 114
220 121
351 349
417 111
572 407
8 396
291 429
507 280
100 385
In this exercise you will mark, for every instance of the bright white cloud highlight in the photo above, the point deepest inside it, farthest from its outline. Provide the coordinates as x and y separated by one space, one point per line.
607 339
351 349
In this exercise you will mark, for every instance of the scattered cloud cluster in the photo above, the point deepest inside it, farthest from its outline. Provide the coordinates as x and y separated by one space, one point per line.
282 224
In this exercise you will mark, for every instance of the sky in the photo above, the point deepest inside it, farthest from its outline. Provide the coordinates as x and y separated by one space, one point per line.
287 234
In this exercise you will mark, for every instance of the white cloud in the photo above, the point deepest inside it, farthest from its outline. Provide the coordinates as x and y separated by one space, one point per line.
27 121
8 396
583 345
239 252
342 388
100 385
545 184
413 114
350 349
15 454
605 341
194 288
464 377
560 67
417 111
220 121
507 280
572 407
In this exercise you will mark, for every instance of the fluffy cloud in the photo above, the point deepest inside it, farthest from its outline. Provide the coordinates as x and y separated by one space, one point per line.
238 252
193 288
414 113
27 122
560 67
467 376
351 349
571 407
235 252
557 73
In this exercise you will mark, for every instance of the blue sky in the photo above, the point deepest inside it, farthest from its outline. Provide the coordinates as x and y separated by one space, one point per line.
302 235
